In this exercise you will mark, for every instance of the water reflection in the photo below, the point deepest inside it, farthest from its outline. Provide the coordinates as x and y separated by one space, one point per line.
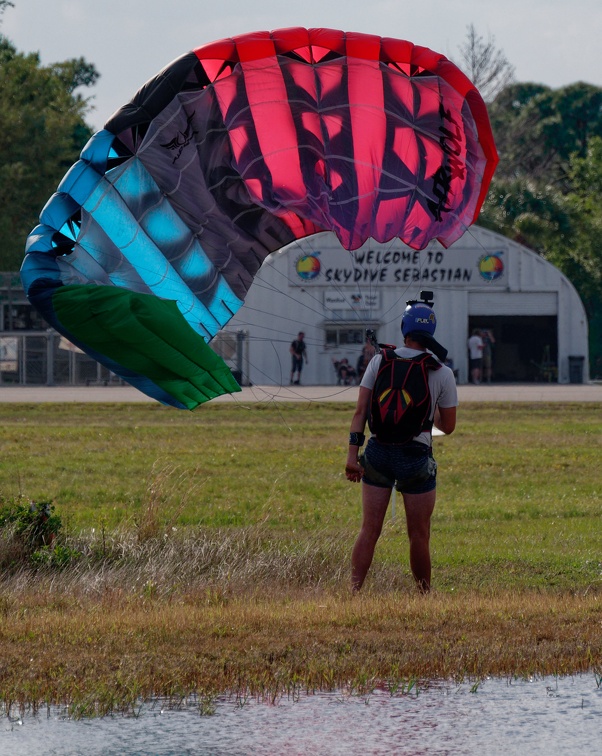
547 715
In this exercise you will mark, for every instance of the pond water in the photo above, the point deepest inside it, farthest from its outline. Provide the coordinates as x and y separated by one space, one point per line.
542 716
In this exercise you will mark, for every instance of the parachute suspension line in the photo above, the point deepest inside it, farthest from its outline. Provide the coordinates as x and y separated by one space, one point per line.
319 302
477 241
365 289
310 301
280 335
262 396
317 308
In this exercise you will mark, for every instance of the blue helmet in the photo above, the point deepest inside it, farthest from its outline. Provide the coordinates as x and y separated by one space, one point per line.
418 316
419 322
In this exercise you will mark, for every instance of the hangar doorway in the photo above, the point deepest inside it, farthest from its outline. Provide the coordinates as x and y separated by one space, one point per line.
525 348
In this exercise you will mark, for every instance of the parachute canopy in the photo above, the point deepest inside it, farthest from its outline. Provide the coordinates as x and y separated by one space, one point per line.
233 151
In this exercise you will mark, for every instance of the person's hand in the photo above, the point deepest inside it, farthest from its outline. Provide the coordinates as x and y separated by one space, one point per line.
354 471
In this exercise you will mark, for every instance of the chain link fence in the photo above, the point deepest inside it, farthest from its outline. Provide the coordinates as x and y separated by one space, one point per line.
46 358
32 354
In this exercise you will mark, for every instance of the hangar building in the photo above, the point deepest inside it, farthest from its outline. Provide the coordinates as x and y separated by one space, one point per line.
483 281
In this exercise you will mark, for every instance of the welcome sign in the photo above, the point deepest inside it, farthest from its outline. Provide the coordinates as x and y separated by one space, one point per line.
456 268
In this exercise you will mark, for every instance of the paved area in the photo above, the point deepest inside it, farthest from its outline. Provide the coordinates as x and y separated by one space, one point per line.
532 392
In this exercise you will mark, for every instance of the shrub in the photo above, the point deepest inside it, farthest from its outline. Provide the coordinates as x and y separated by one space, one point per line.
29 532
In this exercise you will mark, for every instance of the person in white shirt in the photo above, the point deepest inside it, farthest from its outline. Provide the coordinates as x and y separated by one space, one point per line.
475 356
409 467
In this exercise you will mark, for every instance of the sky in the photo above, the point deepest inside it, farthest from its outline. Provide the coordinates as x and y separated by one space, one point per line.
552 42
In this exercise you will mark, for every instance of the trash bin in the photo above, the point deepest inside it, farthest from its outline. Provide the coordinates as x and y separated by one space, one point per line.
576 369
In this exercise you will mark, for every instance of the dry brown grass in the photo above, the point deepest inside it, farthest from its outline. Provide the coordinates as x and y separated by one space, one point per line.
105 654
247 613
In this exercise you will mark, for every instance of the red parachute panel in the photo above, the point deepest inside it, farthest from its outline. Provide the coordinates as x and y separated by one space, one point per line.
361 135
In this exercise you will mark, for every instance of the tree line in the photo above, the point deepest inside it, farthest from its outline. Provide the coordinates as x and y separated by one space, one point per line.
546 193
547 190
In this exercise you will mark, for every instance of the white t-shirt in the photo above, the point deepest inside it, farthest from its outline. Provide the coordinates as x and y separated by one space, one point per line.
442 385
475 346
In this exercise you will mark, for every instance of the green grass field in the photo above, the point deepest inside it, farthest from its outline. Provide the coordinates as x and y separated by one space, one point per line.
519 486
214 548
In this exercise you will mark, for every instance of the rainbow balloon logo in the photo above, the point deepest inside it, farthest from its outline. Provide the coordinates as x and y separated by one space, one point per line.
308 267
491 267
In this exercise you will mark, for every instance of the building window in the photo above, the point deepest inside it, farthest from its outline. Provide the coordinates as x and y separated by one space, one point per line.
337 336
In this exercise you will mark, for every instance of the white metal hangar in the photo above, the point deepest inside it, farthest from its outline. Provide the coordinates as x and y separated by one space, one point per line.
483 281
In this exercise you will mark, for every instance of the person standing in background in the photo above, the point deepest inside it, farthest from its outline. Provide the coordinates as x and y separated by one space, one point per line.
298 350
475 356
367 354
488 342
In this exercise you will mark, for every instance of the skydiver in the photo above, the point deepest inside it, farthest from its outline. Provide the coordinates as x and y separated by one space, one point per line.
410 467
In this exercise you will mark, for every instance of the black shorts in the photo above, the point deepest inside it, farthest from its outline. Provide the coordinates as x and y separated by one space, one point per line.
411 467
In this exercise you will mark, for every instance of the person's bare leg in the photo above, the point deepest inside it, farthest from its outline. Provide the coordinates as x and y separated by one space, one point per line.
374 505
419 508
